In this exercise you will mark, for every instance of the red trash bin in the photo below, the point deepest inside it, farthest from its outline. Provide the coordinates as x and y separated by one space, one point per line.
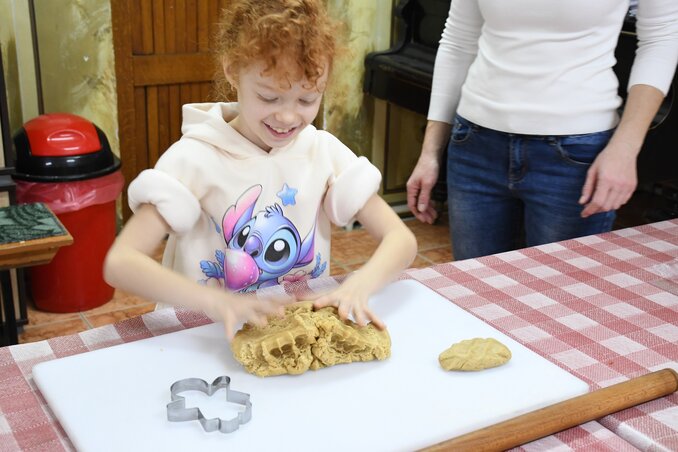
65 161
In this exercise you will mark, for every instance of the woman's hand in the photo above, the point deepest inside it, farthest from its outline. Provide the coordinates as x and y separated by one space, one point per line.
425 173
610 181
419 186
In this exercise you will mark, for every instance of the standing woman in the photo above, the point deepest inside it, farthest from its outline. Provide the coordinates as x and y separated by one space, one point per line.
526 95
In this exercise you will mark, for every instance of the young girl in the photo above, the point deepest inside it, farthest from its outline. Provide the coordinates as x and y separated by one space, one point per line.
248 193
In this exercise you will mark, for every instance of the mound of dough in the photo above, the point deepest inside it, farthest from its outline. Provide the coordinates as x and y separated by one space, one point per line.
474 354
306 339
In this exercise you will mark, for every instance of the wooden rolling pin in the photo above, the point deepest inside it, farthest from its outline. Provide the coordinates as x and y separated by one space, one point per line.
566 414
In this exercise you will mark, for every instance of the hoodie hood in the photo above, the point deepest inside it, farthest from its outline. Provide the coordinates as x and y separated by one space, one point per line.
208 122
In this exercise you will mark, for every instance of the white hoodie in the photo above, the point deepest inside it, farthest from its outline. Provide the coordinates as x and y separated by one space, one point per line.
245 218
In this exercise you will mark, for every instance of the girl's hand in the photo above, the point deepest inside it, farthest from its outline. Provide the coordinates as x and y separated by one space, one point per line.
234 309
351 299
397 249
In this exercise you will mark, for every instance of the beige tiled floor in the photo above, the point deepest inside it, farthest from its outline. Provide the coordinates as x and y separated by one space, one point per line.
350 249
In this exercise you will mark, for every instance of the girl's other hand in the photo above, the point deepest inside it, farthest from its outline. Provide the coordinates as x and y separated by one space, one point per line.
350 299
234 309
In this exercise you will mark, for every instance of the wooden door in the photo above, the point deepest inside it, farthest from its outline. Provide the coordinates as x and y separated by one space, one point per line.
162 61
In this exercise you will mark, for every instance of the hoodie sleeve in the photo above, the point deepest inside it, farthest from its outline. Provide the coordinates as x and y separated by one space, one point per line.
175 203
353 181
174 186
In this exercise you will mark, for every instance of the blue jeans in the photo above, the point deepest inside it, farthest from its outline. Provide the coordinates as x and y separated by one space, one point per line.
507 191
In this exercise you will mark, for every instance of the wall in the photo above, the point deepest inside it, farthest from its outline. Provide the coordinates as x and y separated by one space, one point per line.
347 113
75 38
17 56
76 61
78 72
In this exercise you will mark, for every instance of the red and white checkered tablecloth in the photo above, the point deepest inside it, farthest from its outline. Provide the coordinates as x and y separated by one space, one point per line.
603 307
597 306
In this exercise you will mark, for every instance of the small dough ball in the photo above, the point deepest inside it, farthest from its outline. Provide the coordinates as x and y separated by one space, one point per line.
475 354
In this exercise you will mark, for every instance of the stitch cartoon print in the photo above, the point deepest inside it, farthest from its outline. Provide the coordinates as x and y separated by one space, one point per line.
260 249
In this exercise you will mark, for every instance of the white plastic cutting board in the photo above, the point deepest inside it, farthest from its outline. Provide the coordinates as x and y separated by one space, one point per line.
114 398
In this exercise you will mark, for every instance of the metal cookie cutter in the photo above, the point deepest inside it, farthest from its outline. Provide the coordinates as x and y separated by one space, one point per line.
177 411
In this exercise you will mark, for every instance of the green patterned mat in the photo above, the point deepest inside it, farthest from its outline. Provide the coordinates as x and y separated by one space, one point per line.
28 222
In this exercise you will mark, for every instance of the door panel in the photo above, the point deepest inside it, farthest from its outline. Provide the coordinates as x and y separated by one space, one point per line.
162 61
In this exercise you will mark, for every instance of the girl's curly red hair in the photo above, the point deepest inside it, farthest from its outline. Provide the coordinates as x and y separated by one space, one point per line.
277 32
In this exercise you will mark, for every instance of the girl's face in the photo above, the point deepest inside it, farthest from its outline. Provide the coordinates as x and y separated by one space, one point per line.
272 115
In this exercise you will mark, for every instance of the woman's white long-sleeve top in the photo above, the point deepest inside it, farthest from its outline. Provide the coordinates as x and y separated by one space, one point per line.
545 67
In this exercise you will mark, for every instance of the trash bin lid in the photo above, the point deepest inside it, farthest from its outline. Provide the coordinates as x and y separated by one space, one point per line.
62 147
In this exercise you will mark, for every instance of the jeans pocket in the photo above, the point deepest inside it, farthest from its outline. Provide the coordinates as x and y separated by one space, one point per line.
461 130
581 149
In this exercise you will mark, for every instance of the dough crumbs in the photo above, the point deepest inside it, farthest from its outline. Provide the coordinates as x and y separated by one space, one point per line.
474 354
306 339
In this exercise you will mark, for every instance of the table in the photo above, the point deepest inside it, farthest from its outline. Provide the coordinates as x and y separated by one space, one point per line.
30 234
603 307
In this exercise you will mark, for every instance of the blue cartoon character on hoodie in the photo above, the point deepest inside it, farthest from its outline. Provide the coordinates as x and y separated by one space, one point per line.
260 248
